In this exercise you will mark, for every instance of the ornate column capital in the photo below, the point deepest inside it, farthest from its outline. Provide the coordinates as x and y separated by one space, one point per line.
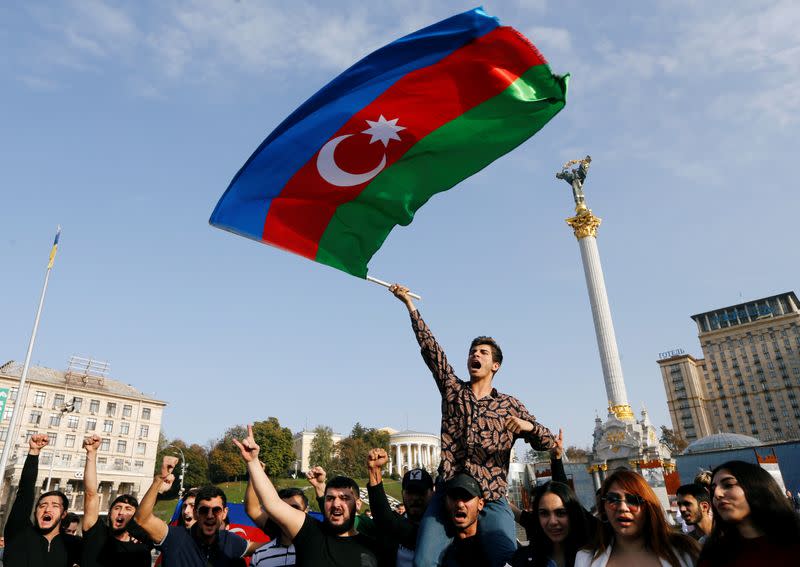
584 224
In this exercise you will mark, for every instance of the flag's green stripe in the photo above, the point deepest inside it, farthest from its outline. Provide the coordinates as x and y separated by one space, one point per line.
447 155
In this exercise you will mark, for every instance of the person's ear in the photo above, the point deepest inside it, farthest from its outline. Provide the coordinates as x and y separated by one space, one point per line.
358 504
481 504
495 366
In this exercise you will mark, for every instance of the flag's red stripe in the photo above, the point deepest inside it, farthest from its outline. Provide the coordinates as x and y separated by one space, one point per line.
423 101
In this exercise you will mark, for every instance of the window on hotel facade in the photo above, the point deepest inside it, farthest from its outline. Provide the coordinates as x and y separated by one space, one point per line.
91 424
108 426
127 411
144 431
146 413
72 422
141 448
94 406
111 409
69 441
124 428
105 444
55 419
122 446
36 417
58 401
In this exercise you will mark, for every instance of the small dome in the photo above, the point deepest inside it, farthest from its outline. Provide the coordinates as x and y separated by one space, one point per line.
721 442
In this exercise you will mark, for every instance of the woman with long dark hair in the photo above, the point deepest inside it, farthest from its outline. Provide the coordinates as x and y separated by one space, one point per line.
559 530
754 524
634 530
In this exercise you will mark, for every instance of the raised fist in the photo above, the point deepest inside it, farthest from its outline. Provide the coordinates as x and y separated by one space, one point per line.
317 477
377 459
37 443
168 464
91 443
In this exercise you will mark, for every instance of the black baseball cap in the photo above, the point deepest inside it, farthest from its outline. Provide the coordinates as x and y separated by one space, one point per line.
418 480
465 482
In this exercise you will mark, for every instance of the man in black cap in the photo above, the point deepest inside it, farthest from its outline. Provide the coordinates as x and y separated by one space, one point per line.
464 501
400 531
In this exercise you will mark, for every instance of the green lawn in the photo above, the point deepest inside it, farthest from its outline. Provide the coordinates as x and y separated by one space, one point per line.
235 493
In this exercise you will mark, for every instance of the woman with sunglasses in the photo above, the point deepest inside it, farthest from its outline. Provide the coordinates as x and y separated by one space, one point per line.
634 530
754 524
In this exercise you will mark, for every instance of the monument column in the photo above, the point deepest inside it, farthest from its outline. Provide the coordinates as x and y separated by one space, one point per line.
584 224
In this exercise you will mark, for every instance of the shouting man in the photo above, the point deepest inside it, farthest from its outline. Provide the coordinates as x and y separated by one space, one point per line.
41 543
479 428
206 543
108 544
331 543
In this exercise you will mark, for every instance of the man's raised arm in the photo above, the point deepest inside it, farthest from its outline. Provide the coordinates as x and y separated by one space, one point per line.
253 507
155 527
288 519
432 353
91 500
19 517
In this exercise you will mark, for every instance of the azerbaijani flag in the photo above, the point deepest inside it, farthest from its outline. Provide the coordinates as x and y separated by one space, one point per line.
406 122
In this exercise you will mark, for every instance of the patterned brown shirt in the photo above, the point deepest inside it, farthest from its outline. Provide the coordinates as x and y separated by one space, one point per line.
474 436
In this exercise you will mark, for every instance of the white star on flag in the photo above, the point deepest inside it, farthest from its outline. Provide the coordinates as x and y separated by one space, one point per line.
383 130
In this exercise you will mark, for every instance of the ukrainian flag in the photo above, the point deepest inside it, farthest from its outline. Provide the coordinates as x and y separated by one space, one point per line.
55 249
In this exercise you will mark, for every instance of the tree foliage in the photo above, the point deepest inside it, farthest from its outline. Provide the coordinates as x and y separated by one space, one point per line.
351 452
224 460
672 440
276 446
321 447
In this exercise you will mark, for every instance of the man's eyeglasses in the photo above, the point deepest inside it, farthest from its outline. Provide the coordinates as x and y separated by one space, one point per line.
204 510
634 501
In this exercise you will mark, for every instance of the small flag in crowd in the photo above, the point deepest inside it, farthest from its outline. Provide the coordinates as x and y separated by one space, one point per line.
408 121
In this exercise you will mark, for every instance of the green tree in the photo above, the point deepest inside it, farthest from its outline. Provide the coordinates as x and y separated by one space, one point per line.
276 446
321 447
673 441
224 460
196 463
351 452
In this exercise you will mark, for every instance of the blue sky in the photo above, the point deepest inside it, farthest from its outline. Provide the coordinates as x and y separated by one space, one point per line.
124 122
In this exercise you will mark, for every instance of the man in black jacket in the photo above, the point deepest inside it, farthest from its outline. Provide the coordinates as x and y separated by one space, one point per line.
41 543
400 531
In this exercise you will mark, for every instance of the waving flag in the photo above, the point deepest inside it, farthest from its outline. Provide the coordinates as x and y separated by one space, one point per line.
406 122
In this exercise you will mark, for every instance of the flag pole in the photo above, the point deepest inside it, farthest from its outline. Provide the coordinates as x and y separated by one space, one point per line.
19 406
387 284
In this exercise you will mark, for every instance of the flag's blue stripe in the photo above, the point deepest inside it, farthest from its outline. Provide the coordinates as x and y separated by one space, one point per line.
243 207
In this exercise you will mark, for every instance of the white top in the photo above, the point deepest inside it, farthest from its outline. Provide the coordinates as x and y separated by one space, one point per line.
273 554
584 559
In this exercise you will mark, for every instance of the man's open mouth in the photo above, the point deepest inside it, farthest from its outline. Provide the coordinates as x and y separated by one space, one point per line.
475 364
47 518
460 515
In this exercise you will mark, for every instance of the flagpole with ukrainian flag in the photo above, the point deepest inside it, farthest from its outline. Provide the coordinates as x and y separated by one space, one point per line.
13 434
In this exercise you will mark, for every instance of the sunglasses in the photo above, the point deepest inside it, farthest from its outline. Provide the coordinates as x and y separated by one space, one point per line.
633 501
204 510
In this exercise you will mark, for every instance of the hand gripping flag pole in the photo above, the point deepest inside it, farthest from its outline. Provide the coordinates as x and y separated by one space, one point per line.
13 434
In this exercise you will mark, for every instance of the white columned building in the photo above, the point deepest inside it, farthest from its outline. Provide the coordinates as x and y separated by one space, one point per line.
413 449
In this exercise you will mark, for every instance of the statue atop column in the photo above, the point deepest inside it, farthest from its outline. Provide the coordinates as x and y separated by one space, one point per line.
576 177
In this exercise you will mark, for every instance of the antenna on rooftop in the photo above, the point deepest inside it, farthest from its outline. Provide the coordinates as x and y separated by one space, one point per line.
86 368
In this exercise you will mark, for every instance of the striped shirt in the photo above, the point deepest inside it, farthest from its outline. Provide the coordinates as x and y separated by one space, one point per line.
273 554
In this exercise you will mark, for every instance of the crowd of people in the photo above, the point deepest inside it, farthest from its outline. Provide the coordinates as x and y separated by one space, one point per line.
460 519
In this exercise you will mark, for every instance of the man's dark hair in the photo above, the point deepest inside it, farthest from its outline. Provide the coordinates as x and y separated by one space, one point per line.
128 499
64 499
342 482
698 491
284 493
207 493
497 353
70 518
